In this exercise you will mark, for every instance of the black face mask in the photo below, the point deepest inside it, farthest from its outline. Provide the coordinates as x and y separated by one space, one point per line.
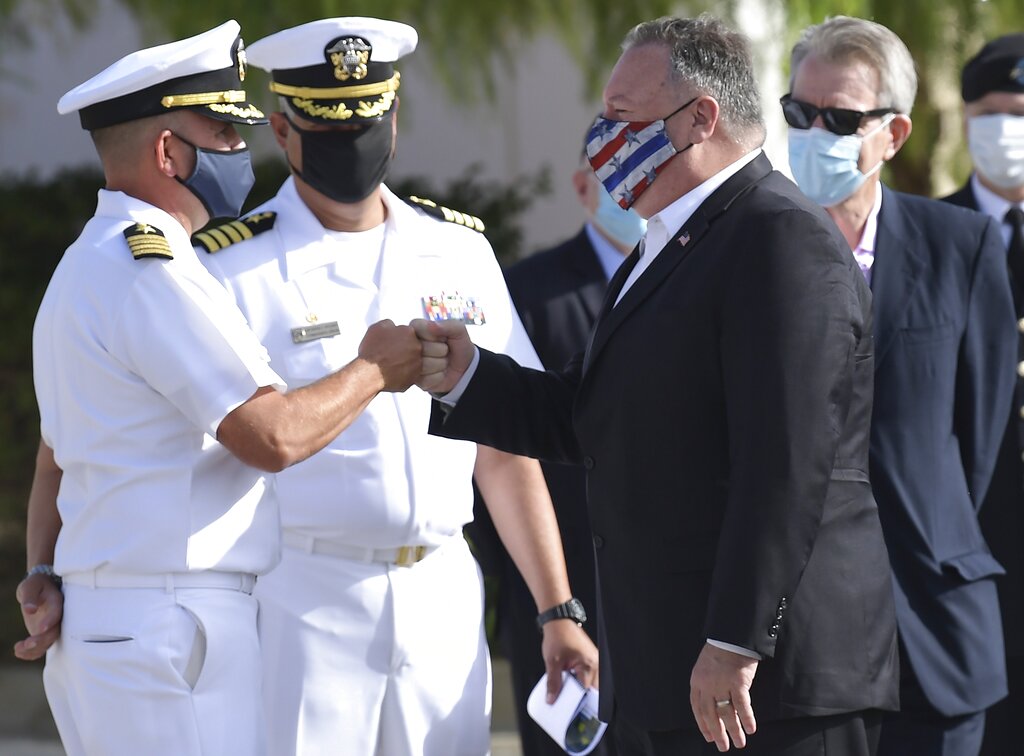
345 165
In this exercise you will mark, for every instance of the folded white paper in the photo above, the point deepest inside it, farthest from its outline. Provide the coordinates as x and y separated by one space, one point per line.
572 719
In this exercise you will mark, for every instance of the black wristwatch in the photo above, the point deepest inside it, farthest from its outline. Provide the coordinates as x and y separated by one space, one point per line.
571 610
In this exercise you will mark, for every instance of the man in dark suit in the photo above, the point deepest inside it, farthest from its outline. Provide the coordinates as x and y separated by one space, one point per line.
721 410
943 362
993 93
558 293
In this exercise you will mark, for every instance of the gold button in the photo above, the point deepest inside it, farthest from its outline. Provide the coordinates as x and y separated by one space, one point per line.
313 317
1020 369
1022 412
1020 325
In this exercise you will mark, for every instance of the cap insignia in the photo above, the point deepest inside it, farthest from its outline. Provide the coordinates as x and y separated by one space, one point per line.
349 56
242 60
145 240
1017 73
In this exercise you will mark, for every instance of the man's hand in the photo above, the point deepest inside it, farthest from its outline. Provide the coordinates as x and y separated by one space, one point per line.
442 368
42 607
720 696
395 352
567 647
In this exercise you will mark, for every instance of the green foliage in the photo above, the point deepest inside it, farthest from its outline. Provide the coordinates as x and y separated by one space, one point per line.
41 219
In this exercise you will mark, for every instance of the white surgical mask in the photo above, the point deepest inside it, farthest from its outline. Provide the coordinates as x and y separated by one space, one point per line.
825 164
996 144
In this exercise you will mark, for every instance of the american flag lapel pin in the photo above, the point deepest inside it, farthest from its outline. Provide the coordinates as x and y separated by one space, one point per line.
684 238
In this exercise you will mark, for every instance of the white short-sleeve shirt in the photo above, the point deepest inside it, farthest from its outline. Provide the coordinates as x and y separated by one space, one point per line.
384 481
136 362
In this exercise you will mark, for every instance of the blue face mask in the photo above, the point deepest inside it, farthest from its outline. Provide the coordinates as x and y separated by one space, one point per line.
221 180
825 164
624 227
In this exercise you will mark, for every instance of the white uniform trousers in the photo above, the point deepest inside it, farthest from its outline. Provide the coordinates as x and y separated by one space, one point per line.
157 671
371 659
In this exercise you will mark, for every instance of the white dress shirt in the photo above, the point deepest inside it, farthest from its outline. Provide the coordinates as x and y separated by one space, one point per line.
864 254
136 362
992 204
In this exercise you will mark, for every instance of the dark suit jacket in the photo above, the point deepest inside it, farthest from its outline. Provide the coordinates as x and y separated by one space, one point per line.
1002 515
722 412
944 363
558 293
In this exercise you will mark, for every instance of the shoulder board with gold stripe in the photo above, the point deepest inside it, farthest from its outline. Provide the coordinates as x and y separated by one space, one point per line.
216 238
145 240
443 213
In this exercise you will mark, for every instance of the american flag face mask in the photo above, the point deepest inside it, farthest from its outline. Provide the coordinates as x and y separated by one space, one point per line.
628 155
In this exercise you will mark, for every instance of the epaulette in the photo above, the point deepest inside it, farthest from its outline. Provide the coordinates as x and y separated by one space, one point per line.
216 238
145 240
443 213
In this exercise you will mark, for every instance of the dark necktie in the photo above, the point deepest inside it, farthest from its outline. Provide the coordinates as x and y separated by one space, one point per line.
1015 252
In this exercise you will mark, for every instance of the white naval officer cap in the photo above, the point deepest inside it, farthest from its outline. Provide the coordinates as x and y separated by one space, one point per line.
202 73
336 69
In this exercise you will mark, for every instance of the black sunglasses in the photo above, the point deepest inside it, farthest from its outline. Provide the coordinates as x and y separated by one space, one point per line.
800 115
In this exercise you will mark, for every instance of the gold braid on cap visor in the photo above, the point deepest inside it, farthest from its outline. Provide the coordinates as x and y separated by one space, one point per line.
203 98
305 99
219 102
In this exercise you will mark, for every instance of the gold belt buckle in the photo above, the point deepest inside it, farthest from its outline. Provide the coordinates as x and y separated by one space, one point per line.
409 555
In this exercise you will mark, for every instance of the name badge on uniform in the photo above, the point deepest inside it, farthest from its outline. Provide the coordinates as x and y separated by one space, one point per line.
453 307
315 331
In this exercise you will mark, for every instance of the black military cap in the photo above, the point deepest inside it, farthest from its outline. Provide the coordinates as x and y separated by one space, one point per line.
998 67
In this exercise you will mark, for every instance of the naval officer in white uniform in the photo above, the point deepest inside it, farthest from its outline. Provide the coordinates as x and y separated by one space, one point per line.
142 364
371 627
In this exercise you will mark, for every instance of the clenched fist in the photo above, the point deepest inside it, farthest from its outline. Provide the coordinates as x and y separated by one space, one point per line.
447 352
396 353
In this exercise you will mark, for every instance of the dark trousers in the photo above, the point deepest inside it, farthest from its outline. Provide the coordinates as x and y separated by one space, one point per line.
852 734
1003 720
521 643
918 729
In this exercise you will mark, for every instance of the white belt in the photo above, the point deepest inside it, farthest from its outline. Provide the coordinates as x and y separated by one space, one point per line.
402 556
234 581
